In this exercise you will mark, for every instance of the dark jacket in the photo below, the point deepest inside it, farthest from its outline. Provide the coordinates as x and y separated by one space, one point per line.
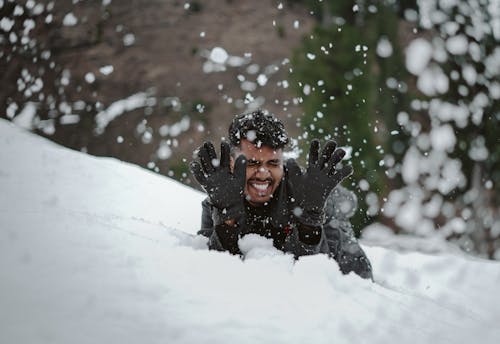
335 237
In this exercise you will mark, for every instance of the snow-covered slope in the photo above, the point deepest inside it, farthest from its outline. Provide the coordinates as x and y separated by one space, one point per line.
93 250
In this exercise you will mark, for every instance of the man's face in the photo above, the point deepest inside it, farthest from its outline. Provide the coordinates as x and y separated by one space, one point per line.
264 171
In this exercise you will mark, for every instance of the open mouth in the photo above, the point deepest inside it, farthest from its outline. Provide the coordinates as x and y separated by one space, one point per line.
262 188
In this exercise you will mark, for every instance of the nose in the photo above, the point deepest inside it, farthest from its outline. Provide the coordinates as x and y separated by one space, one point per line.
262 172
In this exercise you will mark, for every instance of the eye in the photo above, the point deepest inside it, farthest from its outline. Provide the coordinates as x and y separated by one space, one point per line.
274 162
252 162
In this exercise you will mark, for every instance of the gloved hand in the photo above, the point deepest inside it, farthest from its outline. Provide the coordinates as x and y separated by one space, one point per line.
280 212
225 189
311 188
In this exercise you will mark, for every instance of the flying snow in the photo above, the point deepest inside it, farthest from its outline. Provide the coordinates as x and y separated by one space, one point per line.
384 47
219 55
70 19
106 70
418 55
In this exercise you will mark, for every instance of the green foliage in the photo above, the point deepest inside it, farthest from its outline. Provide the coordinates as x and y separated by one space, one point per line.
349 99
482 129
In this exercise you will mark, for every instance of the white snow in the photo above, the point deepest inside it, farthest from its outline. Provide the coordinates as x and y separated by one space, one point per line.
70 19
176 128
106 70
256 246
219 55
457 45
443 138
69 119
164 151
384 47
12 37
306 89
128 39
445 111
469 73
433 81
11 110
6 24
478 150
409 170
26 117
418 55
262 80
94 250
18 11
89 77
118 108
218 59
494 11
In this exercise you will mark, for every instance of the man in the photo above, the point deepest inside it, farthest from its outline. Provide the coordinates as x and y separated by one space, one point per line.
252 190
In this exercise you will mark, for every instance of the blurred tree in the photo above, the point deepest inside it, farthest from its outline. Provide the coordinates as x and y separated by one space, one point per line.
352 81
451 168
143 81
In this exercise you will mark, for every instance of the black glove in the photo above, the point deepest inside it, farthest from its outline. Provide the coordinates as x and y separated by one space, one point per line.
225 189
311 189
280 212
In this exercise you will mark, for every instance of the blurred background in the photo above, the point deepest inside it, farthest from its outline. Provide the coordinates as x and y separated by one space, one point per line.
409 88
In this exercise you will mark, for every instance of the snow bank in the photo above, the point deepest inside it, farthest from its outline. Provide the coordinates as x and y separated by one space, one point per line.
38 175
94 250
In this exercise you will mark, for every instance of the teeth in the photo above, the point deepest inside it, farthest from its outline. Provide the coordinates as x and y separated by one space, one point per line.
261 187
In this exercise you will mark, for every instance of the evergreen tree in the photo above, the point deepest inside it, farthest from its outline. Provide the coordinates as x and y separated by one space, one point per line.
351 78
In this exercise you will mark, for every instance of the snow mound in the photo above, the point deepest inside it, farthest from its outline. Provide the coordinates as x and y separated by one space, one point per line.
94 250
256 246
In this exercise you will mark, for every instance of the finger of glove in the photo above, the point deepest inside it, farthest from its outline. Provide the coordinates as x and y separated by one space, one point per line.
205 155
293 169
197 172
279 209
224 155
326 153
336 157
343 173
211 150
280 194
293 175
313 153
240 169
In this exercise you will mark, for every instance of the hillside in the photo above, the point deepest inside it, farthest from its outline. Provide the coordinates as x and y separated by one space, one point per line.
104 52
96 250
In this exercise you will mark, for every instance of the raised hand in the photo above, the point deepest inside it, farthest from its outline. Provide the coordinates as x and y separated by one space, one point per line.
311 188
224 188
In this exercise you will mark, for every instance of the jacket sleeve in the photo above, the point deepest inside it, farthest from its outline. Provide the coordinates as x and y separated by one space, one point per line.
221 237
344 248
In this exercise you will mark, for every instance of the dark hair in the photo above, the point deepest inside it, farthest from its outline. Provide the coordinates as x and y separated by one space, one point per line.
260 127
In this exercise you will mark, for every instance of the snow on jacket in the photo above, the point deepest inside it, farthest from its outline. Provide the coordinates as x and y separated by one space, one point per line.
335 238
